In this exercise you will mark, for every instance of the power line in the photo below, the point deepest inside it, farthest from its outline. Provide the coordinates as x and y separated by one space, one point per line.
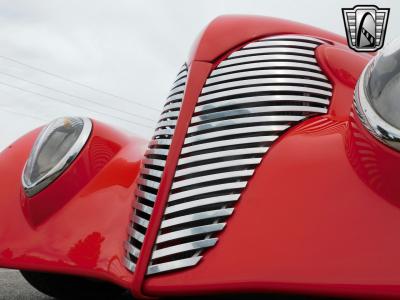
22 114
75 96
78 83
77 105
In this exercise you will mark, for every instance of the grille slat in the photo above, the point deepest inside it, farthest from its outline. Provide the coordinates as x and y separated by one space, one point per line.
218 165
255 89
274 50
227 143
173 265
196 217
267 57
227 132
282 72
256 110
219 154
263 81
249 120
202 202
286 42
248 101
212 177
189 232
265 65
184 247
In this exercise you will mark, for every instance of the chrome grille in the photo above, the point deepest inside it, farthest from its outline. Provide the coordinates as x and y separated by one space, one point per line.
248 101
152 170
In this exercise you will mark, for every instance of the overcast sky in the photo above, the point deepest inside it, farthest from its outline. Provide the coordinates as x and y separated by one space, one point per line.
52 51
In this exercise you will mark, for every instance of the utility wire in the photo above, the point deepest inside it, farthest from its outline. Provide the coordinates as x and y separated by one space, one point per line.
78 83
22 114
75 96
68 103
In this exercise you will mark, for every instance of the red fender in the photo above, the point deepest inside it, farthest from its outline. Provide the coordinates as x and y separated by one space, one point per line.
78 224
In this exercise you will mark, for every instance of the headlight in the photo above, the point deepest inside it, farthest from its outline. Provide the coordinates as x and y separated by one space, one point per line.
56 147
377 96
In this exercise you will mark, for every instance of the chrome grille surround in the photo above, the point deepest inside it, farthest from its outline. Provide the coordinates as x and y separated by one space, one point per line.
248 101
152 170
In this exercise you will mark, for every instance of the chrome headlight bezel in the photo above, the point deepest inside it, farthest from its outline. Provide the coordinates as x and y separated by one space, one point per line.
373 122
32 187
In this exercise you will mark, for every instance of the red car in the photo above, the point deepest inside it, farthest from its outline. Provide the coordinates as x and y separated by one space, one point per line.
274 168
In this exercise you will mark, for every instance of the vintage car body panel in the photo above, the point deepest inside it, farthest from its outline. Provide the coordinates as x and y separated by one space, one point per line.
286 255
320 216
82 234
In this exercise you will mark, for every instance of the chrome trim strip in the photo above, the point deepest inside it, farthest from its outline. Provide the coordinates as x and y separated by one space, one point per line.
201 202
175 97
208 189
169 114
184 248
243 121
263 81
232 142
203 107
259 65
189 232
196 217
296 37
132 249
166 131
266 57
218 165
160 142
254 110
266 72
267 43
220 154
148 196
255 89
181 80
173 265
144 208
148 183
152 172
262 51
138 220
177 88
154 162
156 151
128 264
136 234
173 105
227 132
210 178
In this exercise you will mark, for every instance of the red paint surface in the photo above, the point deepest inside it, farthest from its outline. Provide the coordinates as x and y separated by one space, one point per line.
68 229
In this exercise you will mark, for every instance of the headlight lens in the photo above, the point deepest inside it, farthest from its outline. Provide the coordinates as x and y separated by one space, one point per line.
377 95
56 147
